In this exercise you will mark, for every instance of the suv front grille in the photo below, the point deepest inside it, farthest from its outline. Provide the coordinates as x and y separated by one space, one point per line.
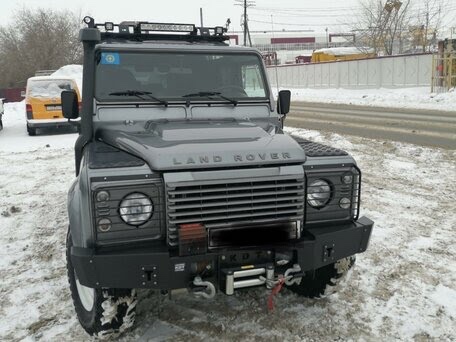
222 203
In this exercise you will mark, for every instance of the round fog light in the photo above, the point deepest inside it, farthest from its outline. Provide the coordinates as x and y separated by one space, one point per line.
104 225
347 179
344 203
102 196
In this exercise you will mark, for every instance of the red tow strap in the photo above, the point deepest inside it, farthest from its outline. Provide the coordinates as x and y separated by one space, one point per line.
274 292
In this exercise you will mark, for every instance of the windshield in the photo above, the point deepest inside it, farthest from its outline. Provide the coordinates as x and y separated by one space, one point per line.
179 76
48 88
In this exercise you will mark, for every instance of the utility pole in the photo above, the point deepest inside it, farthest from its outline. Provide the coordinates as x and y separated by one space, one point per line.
245 22
327 38
245 4
201 16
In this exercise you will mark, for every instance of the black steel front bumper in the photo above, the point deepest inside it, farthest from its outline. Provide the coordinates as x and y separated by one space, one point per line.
154 267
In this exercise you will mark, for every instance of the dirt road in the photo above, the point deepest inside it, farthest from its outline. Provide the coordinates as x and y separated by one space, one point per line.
416 126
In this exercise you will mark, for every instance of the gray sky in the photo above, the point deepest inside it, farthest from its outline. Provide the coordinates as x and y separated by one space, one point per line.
287 14
322 12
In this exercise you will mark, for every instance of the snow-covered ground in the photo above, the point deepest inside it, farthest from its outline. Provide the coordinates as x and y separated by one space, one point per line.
403 287
418 97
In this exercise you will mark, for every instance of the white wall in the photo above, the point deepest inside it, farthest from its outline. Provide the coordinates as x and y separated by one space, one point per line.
386 72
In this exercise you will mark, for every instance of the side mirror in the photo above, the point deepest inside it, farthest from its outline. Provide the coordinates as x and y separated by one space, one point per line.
23 93
70 106
283 102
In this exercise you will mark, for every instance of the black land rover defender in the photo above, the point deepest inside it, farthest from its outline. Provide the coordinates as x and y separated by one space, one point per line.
185 178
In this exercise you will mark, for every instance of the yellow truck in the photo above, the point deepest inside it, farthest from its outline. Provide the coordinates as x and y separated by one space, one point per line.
341 54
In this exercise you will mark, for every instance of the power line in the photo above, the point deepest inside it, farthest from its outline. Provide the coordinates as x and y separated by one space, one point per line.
297 24
295 13
291 15
301 9
338 10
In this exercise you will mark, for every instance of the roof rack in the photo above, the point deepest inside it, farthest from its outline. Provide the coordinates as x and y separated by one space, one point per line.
142 30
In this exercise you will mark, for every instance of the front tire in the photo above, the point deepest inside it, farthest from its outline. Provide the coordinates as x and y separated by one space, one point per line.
101 312
323 281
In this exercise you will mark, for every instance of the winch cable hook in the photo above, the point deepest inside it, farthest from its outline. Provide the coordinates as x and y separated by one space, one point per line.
209 292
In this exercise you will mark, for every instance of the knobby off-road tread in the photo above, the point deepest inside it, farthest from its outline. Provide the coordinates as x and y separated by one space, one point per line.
113 311
325 280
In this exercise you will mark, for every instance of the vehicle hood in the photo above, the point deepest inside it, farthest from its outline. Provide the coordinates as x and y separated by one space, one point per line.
192 144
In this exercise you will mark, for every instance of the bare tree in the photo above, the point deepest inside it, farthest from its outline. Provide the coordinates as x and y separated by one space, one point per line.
381 25
427 23
35 40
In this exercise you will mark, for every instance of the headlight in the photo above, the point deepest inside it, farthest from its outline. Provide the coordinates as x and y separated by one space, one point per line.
318 193
135 209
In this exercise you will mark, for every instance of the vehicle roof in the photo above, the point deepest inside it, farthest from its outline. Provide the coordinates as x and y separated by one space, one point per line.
174 45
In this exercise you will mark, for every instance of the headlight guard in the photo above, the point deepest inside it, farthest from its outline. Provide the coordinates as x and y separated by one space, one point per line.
333 194
319 193
131 211
136 209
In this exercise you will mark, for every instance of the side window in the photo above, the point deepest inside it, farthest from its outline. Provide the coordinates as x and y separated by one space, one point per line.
252 81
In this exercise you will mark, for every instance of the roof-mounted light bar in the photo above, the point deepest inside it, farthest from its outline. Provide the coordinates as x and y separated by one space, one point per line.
161 31
162 27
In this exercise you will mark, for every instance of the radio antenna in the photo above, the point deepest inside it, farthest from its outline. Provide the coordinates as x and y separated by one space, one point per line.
275 52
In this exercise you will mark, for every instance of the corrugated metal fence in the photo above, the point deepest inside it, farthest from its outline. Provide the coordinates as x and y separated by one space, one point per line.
387 72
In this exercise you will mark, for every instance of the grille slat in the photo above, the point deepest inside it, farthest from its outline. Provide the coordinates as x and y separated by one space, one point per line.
222 203
238 195
284 214
230 188
203 212
218 203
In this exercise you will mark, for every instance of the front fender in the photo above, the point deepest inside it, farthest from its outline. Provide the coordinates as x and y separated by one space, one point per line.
79 210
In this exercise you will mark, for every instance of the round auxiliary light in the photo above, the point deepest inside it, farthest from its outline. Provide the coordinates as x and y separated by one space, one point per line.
135 209
347 179
104 225
345 203
318 193
87 19
102 196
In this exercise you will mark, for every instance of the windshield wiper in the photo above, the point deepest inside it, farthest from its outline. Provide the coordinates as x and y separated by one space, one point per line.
139 94
212 93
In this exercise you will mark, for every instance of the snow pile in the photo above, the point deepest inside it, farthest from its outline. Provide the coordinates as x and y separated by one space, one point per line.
419 97
47 87
402 288
340 51
73 71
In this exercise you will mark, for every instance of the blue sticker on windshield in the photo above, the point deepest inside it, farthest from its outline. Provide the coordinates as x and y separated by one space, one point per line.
110 58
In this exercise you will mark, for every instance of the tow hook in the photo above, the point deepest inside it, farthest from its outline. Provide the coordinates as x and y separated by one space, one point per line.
290 278
208 289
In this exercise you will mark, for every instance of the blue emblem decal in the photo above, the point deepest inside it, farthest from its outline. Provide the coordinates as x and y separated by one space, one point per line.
110 58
